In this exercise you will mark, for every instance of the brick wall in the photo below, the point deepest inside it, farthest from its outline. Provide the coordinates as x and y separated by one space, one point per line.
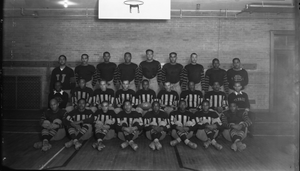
44 39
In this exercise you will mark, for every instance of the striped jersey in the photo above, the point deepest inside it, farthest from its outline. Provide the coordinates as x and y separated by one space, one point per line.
182 117
129 119
216 99
85 93
152 118
193 98
168 98
99 115
75 115
142 96
204 118
122 95
99 96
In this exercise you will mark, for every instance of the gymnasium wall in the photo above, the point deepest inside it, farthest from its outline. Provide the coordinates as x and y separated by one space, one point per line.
44 39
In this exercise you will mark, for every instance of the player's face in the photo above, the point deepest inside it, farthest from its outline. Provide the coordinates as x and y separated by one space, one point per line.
62 60
125 85
156 107
216 64
106 57
58 86
236 64
192 86
216 86
237 87
205 106
84 59
54 105
149 55
168 86
182 105
127 58
127 106
103 85
173 58
81 104
104 107
233 107
145 85
194 58
81 83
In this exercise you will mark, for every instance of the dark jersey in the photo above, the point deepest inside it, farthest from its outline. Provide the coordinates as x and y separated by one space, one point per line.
241 99
172 73
195 73
61 97
168 98
75 115
99 115
149 70
204 118
85 93
51 116
128 119
99 96
237 117
64 76
182 117
142 96
122 95
126 72
216 75
105 71
87 72
193 98
151 118
237 76
216 99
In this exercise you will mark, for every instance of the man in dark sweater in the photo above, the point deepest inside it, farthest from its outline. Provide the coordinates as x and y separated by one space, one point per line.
60 95
150 69
86 71
126 71
237 74
105 71
173 72
216 74
194 72
64 74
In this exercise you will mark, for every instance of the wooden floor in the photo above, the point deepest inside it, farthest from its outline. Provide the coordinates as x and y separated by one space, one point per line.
19 135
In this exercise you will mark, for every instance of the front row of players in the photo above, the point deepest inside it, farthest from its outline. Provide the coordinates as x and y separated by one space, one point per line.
156 124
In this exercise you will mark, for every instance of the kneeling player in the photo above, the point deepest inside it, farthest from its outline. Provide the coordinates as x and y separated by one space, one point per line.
236 123
78 123
156 124
129 125
104 120
51 122
182 125
209 124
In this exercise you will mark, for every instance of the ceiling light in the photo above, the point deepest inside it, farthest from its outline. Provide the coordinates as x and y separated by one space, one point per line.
66 3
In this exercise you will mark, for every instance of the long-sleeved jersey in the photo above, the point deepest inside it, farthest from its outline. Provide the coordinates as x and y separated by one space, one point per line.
51 116
85 93
237 76
125 72
105 71
105 118
99 96
236 117
142 96
61 97
193 98
182 118
156 119
149 70
64 76
195 73
168 98
216 99
75 115
215 75
87 72
204 118
172 73
240 98
129 119
122 95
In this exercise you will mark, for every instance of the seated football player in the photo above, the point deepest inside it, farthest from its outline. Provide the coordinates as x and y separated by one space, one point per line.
144 98
217 99
235 123
51 121
182 125
192 97
101 95
168 98
81 92
104 121
78 123
124 94
129 125
156 123
242 101
61 96
208 126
